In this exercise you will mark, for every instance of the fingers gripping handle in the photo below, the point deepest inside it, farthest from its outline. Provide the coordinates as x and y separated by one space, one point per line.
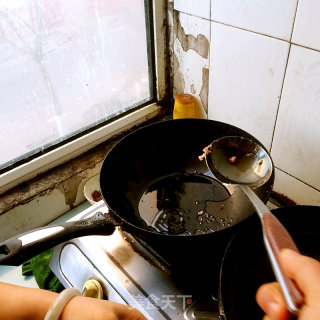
23 247
276 237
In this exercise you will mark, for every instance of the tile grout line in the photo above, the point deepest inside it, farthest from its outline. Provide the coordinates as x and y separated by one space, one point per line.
290 175
251 31
233 26
209 61
284 77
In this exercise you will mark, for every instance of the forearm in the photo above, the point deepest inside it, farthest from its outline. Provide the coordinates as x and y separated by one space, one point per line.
21 303
24 303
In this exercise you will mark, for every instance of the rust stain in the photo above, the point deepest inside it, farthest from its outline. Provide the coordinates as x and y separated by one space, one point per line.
282 199
123 254
70 188
204 89
144 253
190 42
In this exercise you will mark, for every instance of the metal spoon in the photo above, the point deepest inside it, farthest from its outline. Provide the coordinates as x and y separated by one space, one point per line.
241 161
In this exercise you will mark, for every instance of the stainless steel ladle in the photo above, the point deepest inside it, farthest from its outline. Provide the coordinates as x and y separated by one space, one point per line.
241 161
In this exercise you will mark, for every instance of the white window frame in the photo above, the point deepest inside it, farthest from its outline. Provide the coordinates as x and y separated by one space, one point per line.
86 142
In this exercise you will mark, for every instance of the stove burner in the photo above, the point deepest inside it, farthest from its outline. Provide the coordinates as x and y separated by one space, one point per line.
143 280
144 275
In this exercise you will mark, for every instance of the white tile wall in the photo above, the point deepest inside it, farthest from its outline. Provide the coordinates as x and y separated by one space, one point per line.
295 189
253 84
274 18
296 146
307 24
246 74
200 8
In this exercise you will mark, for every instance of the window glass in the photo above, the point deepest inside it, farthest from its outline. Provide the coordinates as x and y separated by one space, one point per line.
66 66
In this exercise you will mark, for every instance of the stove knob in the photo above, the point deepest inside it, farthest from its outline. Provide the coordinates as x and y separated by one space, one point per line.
93 289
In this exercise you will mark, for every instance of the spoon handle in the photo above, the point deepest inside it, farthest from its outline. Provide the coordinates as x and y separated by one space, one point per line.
276 237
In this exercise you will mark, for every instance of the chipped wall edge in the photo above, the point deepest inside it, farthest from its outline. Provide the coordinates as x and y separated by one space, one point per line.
40 200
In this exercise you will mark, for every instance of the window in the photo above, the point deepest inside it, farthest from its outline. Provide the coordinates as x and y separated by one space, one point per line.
67 66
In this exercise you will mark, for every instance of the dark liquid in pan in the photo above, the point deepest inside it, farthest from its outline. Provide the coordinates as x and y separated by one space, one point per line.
178 204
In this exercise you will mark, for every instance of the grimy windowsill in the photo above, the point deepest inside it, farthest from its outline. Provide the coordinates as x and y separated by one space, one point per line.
40 200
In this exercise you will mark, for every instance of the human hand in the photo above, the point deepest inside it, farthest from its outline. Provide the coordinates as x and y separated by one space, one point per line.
305 272
82 308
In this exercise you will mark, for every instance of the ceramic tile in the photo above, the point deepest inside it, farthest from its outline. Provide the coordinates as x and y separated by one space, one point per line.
200 8
246 74
191 56
307 24
194 25
296 146
274 18
296 190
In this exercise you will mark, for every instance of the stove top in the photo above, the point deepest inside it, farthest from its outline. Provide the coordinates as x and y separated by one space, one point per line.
131 276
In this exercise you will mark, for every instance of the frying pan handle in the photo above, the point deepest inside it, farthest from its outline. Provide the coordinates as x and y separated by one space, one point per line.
23 247
276 237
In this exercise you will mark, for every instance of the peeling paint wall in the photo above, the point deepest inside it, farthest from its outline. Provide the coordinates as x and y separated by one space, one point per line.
199 44
45 198
69 174
204 92
191 56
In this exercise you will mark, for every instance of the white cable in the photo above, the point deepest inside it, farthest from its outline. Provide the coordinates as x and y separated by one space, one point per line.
60 302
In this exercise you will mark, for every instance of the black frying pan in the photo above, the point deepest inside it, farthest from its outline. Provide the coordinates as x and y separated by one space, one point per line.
246 265
141 160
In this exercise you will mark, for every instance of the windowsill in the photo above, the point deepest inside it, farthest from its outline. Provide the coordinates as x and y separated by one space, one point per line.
42 199
13 275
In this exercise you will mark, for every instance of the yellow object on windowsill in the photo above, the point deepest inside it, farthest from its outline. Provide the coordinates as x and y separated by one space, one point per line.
186 106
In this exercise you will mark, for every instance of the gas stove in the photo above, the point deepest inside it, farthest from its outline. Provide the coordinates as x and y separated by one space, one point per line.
132 275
